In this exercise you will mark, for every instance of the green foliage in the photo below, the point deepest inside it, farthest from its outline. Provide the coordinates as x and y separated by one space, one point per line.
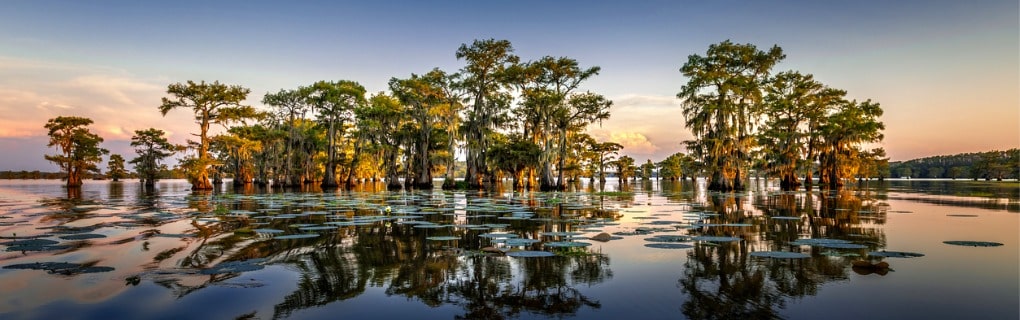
604 154
647 169
290 108
79 148
624 168
484 77
36 174
151 147
795 107
334 103
981 165
423 97
212 103
549 109
115 167
743 117
513 155
721 103
843 132
677 166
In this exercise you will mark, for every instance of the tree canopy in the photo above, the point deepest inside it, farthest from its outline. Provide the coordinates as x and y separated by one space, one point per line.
78 147
212 103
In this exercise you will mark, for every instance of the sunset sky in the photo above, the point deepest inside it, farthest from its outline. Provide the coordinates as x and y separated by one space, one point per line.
947 73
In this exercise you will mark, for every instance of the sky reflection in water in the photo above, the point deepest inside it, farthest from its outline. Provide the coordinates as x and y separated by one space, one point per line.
163 247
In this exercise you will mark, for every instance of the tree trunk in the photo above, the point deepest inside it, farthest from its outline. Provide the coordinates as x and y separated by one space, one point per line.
329 179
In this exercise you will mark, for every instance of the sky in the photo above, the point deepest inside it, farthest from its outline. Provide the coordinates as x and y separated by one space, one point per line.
946 73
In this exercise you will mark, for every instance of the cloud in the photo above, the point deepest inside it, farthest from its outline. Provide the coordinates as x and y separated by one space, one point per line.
637 100
32 92
635 143
648 126
119 89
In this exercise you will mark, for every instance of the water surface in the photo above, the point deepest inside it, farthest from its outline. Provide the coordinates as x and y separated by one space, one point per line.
114 250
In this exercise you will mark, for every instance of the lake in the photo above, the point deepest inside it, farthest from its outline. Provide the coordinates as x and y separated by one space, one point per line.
897 249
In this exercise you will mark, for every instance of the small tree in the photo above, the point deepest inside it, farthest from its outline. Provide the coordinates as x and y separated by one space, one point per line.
605 152
115 167
647 170
624 168
79 147
212 103
152 148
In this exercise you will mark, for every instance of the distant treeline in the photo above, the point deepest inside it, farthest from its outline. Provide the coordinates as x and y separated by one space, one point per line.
31 175
982 165
168 174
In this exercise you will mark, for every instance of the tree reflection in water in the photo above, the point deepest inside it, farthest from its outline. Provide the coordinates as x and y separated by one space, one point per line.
343 263
723 281
718 280
490 287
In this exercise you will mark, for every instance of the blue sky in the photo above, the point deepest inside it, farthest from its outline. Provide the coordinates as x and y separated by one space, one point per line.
946 72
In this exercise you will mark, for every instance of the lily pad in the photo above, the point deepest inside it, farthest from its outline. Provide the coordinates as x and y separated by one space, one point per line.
443 238
514 242
973 243
842 246
715 239
530 254
561 234
785 218
817 242
317 228
498 235
65 268
668 238
567 244
235 266
82 236
30 242
273 231
37 248
831 253
780 254
668 245
895 254
297 236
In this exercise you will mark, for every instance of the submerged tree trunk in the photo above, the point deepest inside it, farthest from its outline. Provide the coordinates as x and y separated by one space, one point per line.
74 177
788 182
329 178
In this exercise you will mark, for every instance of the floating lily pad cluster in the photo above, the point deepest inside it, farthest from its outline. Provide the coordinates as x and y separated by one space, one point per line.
828 243
972 243
34 245
64 268
780 254
236 266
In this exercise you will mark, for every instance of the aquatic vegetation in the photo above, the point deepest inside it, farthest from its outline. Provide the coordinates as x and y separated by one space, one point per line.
973 243
895 254
64 268
716 239
668 245
827 243
669 238
235 266
296 236
780 254
564 244
530 254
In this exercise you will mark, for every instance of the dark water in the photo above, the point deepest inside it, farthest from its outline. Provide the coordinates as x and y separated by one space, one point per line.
115 251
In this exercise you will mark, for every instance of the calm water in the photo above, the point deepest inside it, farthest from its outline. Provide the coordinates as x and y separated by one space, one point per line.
113 251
